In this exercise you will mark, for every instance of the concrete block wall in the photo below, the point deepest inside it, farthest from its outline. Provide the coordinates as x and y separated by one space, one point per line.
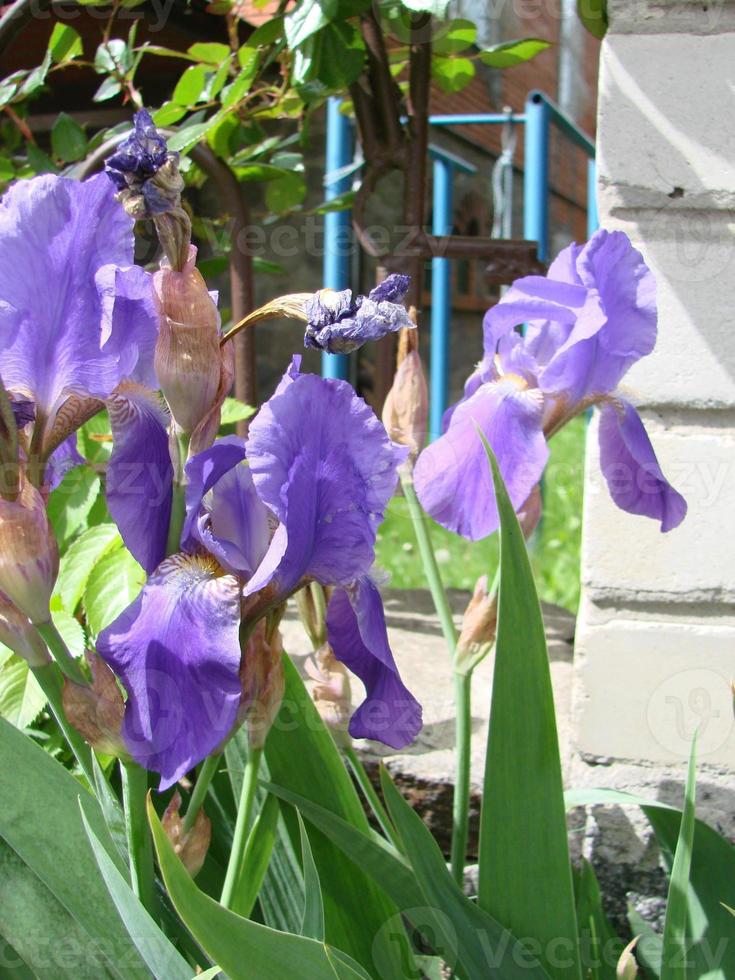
655 648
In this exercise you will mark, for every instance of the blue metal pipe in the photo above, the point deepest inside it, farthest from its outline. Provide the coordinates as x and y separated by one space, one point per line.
563 122
441 297
536 175
477 118
337 224
593 217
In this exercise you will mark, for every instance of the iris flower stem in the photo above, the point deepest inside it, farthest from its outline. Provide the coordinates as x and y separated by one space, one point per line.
201 786
235 866
178 501
461 799
431 569
140 846
462 682
60 652
49 680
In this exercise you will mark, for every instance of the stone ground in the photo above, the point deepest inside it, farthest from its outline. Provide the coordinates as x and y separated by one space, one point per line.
425 772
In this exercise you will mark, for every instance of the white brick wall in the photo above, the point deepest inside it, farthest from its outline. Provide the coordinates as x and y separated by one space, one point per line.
655 646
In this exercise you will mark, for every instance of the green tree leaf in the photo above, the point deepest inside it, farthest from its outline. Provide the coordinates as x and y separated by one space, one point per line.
525 878
70 503
308 17
285 193
452 74
456 36
168 114
437 8
65 44
113 56
109 88
113 584
511 53
233 410
71 630
190 86
80 558
593 14
68 140
21 698
211 53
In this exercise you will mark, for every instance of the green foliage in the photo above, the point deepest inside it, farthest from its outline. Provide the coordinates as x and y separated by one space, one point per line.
21 699
452 74
68 140
113 583
301 754
524 872
676 927
241 947
159 953
50 887
511 53
65 44
593 14
71 503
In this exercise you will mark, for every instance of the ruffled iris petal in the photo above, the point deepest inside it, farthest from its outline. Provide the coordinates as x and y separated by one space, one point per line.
223 511
176 650
357 634
532 298
452 475
323 464
56 236
631 470
140 474
595 356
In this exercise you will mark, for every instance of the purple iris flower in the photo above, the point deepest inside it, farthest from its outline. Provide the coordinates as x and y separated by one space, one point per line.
587 322
301 501
138 159
337 323
78 327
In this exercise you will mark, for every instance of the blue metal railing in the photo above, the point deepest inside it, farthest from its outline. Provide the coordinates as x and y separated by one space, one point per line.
539 115
445 165
337 224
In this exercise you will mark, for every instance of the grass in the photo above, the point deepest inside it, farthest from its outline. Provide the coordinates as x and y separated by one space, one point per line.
555 547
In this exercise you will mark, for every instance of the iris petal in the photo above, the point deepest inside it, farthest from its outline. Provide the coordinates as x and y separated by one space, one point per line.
140 474
357 634
452 475
323 464
176 650
233 523
61 330
632 472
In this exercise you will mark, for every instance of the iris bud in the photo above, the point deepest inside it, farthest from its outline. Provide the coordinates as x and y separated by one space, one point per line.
406 409
29 556
262 682
330 691
191 846
478 628
188 359
97 711
17 633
